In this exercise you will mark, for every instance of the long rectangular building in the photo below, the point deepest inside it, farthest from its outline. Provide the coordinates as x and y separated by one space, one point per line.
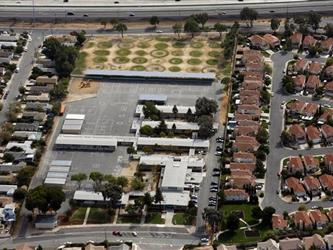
172 143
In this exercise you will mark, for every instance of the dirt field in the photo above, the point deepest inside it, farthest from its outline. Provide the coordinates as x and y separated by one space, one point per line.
78 89
154 53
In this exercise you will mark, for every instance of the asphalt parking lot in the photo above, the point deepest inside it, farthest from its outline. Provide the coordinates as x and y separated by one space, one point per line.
112 113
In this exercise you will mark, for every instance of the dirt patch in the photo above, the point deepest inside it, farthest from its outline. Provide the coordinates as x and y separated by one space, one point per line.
224 108
129 172
81 89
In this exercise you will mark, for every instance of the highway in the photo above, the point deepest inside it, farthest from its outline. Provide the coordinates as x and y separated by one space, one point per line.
177 10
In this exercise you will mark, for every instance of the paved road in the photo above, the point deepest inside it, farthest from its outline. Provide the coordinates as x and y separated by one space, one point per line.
276 151
174 11
25 65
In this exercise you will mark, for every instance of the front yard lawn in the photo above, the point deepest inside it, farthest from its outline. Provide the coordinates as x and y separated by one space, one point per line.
78 216
245 208
154 218
129 219
99 216
178 219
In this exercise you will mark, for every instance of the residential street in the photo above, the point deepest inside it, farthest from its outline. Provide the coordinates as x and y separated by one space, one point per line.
277 153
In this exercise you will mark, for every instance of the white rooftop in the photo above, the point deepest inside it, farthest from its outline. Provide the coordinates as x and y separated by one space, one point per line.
180 125
174 175
176 142
82 195
55 181
167 109
176 198
26 146
98 140
61 163
75 117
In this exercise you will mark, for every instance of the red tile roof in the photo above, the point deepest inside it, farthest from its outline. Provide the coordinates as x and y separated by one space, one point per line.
310 109
240 181
253 76
257 40
318 217
278 222
246 130
296 106
236 192
327 44
309 41
245 156
301 64
248 123
329 71
328 159
312 82
326 181
295 184
326 114
311 182
329 86
327 130
246 144
296 37
249 109
315 68
301 217
299 81
242 166
310 160
295 163
297 131
313 133
272 40
242 117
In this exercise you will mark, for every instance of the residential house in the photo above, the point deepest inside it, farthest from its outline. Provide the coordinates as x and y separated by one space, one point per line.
91 246
295 186
310 110
314 241
248 123
299 82
252 85
329 241
326 182
240 172
295 165
296 40
312 84
273 41
312 185
239 182
309 41
278 222
45 80
301 65
315 68
296 107
21 151
268 245
250 76
245 144
330 215
26 126
5 56
242 117
38 106
313 134
258 42
327 132
329 88
290 244
242 166
45 97
249 109
249 98
31 116
244 157
302 220
37 89
246 130
328 72
326 46
253 60
297 133
328 113
328 159
235 195
311 163
319 219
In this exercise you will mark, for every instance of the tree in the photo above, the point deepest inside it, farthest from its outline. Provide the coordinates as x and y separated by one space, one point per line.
44 198
39 247
265 97
201 18
313 50
275 24
8 157
286 138
232 222
122 181
191 26
147 199
177 29
79 177
121 28
96 176
158 196
150 111
262 135
112 193
256 213
314 20
175 110
205 126
212 217
114 22
267 214
220 28
137 184
248 15
24 176
146 130
19 194
80 38
154 20
189 115
329 29
104 23
204 106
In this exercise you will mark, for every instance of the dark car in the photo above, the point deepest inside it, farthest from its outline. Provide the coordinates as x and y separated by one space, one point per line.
70 14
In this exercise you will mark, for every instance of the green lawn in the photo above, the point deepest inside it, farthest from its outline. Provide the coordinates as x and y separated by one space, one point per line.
154 218
178 219
129 220
99 216
245 208
78 216
80 63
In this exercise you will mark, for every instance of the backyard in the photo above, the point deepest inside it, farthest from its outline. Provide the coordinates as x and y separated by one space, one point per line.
152 53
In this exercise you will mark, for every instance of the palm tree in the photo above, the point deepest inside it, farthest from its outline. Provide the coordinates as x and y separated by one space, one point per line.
121 27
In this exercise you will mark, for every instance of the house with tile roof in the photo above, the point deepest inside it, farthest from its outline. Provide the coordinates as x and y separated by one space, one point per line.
309 41
312 185
296 40
295 186
297 133
319 219
312 84
313 134
299 82
315 68
295 165
301 66
329 88
326 182
243 157
314 241
302 220
328 160
311 163
235 195
278 222
326 46
291 244
327 132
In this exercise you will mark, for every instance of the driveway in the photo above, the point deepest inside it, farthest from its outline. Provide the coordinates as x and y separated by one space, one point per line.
277 153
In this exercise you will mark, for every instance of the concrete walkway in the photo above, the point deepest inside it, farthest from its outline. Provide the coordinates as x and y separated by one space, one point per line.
86 216
168 217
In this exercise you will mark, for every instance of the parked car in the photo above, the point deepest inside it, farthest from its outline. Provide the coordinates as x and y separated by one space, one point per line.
218 153
135 234
216 169
214 183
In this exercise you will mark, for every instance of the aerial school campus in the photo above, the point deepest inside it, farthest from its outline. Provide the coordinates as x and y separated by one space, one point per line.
129 129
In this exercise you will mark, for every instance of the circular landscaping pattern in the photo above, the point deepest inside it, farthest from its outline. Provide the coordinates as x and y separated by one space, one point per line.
157 61
139 60
197 45
161 46
123 52
194 61
174 69
212 61
209 70
155 67
138 68
143 45
159 53
214 53
176 60
104 45
214 45
125 45
121 60
178 45
193 70
140 52
100 59
128 40
177 53
163 38
102 52
196 53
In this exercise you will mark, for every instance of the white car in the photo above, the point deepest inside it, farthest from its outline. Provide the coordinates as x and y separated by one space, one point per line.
159 31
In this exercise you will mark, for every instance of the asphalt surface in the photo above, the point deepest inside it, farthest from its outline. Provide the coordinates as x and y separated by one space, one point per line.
175 11
277 152
18 79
